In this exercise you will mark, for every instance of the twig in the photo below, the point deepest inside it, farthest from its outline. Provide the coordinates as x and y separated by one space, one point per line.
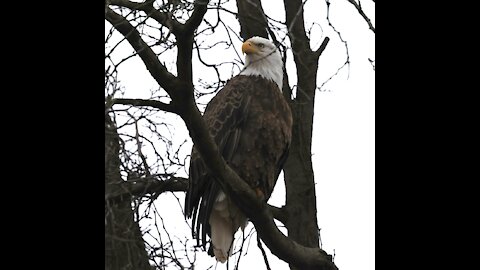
347 61
259 244
360 10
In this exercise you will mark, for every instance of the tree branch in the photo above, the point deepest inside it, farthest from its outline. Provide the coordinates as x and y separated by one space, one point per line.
158 71
185 49
145 102
264 254
147 185
147 7
347 61
360 10
322 47
296 31
306 61
279 214
200 8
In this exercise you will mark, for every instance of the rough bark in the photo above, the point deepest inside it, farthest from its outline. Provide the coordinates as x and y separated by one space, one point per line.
124 247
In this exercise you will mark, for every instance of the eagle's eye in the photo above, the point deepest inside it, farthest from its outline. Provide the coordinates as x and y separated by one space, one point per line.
261 45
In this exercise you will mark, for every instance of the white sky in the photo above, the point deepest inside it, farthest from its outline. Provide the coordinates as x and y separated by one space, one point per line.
343 150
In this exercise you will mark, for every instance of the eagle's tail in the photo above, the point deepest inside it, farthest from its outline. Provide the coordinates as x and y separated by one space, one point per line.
225 219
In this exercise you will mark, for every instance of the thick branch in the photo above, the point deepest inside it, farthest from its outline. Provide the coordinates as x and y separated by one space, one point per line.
158 71
200 8
145 102
147 185
296 28
251 18
306 61
365 17
185 48
243 196
279 214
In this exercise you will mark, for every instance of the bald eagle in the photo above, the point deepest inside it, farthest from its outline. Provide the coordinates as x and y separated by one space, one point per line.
251 122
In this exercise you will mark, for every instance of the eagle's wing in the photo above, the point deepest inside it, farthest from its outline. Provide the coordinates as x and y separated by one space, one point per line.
224 116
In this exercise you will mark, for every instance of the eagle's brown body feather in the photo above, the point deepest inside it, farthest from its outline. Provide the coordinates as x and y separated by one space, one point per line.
251 123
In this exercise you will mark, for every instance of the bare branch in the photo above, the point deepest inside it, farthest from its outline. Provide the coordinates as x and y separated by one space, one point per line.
259 244
336 31
365 17
158 71
305 59
278 213
140 152
322 47
147 185
145 103
197 16
347 61
295 20
161 17
185 47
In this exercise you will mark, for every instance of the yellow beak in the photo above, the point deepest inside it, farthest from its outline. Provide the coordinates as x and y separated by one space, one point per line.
248 47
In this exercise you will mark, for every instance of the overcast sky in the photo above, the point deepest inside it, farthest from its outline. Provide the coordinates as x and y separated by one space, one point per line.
343 150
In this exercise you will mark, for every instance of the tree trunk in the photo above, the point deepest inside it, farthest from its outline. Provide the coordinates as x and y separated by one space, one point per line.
298 174
124 246
250 16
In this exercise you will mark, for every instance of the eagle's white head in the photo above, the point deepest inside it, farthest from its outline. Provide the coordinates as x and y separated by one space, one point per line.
263 59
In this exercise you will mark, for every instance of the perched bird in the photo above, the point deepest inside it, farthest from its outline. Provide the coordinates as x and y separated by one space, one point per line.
251 122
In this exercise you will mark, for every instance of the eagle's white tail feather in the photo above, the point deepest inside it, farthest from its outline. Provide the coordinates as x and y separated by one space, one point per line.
225 219
222 236
221 228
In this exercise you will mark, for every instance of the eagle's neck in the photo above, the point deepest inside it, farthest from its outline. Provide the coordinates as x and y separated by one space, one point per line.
270 68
